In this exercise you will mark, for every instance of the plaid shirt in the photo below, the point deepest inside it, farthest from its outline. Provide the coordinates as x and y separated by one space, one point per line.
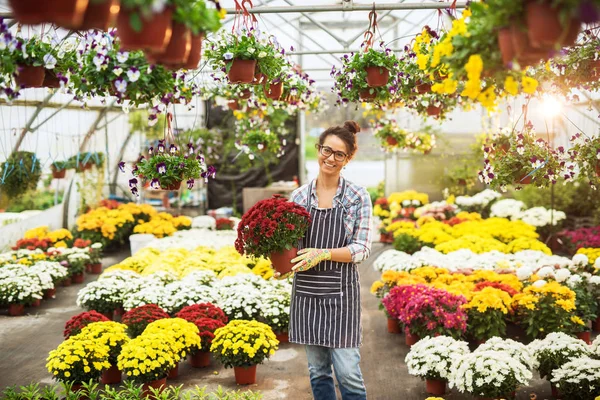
358 218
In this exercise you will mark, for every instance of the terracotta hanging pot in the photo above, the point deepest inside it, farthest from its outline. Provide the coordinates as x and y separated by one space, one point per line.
100 15
30 12
59 174
245 375
423 88
377 76
68 13
173 186
523 180
259 78
245 94
544 26
195 52
281 260
155 33
233 105
433 111
178 49
30 77
366 95
50 79
505 43
242 71
525 53
273 91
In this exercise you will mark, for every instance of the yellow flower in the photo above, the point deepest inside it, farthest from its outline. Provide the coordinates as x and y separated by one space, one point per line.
422 60
60 244
576 320
472 89
529 84
474 67
487 98
466 13
511 86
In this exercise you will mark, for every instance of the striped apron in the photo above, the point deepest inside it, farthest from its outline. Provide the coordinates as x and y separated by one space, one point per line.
325 308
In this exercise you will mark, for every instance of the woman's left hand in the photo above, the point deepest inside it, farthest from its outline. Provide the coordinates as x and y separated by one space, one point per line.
308 258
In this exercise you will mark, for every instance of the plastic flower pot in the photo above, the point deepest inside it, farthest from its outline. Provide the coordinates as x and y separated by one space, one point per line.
525 53
544 26
108 315
281 260
423 88
96 269
78 387
506 45
393 326
111 375
30 77
598 169
377 76
596 324
283 337
410 339
67 282
585 336
36 303
245 94
178 49
195 52
155 33
259 78
49 293
433 111
386 237
100 15
174 372
391 141
50 80
78 277
435 386
172 186
233 105
30 12
59 174
273 91
68 13
245 375
242 71
159 384
510 396
523 180
200 360
14 310
366 95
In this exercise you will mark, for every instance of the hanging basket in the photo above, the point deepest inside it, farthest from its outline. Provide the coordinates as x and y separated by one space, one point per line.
598 169
233 105
259 78
523 180
50 80
391 141
545 29
172 186
68 13
273 91
433 111
30 12
100 15
195 52
155 33
423 88
242 71
367 96
377 76
281 261
30 77
505 42
245 94
178 49
525 53
59 174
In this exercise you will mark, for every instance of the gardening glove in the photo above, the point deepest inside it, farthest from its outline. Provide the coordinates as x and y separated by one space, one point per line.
308 258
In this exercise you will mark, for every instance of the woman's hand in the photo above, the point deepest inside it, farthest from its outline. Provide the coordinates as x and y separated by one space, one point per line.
307 259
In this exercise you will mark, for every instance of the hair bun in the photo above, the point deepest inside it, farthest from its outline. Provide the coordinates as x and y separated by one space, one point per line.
352 126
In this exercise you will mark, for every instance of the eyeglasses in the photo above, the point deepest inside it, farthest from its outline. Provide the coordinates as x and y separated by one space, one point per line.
327 151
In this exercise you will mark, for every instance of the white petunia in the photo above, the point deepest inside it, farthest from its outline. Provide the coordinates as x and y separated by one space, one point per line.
49 61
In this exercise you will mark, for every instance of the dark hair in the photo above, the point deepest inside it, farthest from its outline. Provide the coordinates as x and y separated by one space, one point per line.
346 133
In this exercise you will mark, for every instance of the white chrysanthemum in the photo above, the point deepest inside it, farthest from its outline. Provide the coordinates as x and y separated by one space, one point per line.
580 259
433 357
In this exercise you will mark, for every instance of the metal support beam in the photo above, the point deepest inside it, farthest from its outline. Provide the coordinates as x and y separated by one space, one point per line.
340 51
26 103
116 117
94 127
51 115
27 127
354 7
320 25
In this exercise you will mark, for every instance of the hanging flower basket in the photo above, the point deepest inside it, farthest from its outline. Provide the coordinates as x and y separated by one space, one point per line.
505 42
366 95
377 76
59 174
68 13
281 261
423 88
50 80
178 49
523 180
100 15
30 77
433 111
525 53
259 78
30 12
233 105
545 29
172 186
241 71
154 35
273 91
245 94
195 52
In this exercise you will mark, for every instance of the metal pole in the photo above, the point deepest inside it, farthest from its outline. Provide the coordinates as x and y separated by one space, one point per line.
301 124
52 115
357 7
27 127
339 51
323 27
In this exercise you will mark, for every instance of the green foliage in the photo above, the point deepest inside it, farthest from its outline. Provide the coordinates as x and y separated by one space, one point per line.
485 325
376 192
586 306
19 174
177 167
200 18
33 200
408 243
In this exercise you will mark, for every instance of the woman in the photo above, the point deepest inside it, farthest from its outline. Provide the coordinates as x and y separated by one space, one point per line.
325 310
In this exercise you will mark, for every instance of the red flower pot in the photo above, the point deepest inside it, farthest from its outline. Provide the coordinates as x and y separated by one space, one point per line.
366 95
108 315
245 94
52 82
544 26
282 260
100 15
377 76
462 182
409 338
118 314
174 372
596 324
526 54
423 88
555 392
172 186
233 105
159 384
386 237
200 360
67 281
506 45
30 77
178 49
391 141
273 91
59 174
283 337
598 169
78 278
68 13
523 180
36 303
96 268
245 375
434 111
14 310
435 386
195 52
49 293
78 387
585 336
393 326
154 35
30 12
259 78
111 375
242 71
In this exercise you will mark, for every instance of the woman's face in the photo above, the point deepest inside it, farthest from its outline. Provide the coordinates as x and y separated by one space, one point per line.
329 165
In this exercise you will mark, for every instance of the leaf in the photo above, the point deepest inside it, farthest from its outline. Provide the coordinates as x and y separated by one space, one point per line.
136 22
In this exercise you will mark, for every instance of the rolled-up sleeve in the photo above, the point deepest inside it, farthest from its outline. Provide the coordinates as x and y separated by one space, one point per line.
360 247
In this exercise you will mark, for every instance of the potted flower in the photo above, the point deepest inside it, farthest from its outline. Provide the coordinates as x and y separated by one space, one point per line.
487 312
489 374
392 138
114 336
432 359
95 253
200 357
59 169
78 360
185 338
184 293
586 154
77 262
224 224
578 378
586 309
57 273
238 304
77 322
201 20
137 319
552 24
103 296
202 310
272 228
242 345
30 63
21 171
275 312
144 25
147 359
518 351
18 290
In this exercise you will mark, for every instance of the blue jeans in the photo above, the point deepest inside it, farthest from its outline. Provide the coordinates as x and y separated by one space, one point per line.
347 371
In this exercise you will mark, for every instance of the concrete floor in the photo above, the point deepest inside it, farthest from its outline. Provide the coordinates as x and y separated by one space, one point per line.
25 342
